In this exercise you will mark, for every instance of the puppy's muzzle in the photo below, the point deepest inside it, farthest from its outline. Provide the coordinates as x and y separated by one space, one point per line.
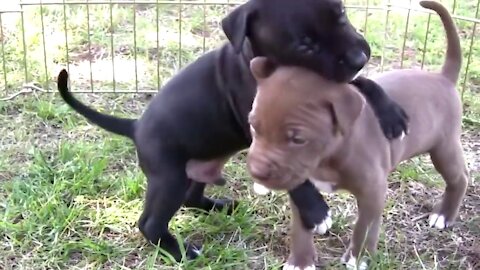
262 167
356 59
261 171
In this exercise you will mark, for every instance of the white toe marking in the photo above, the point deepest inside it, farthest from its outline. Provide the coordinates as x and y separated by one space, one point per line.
320 229
197 251
288 266
437 221
323 227
260 189
432 219
329 222
402 136
363 265
352 264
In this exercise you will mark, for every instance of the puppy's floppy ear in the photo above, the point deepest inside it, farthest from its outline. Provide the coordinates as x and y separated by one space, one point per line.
346 107
235 25
261 67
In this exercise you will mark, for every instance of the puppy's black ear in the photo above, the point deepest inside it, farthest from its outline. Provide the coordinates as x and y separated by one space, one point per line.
346 107
261 68
235 25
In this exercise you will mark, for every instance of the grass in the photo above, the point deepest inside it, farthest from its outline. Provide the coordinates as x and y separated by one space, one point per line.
70 193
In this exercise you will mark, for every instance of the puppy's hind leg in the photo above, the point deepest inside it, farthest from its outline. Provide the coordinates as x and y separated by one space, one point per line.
202 172
197 199
166 189
449 162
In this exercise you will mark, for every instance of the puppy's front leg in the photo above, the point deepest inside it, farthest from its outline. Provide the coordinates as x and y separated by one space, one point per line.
367 227
313 210
302 250
393 119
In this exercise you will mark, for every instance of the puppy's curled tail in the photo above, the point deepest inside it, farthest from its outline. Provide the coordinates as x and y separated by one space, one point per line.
120 126
453 60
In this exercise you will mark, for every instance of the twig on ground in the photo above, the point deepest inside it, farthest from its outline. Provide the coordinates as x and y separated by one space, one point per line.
422 216
418 257
26 88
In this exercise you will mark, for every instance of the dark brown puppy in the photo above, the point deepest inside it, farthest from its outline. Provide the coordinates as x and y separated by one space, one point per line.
306 126
199 118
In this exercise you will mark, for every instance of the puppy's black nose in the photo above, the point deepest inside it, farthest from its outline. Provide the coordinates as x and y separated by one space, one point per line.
356 59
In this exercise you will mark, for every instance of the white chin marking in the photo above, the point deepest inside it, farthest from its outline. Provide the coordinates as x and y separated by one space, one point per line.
437 221
325 225
288 266
260 189
323 186
356 75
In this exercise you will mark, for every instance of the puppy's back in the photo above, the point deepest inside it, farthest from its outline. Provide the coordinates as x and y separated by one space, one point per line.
431 102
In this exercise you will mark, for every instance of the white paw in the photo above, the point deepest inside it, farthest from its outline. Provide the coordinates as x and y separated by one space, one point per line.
197 251
325 225
437 221
288 266
351 264
260 189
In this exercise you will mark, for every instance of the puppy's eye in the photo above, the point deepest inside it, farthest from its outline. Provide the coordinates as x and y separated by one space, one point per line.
294 138
298 141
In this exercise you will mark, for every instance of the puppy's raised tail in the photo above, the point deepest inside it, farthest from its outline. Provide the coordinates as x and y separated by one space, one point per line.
120 126
453 60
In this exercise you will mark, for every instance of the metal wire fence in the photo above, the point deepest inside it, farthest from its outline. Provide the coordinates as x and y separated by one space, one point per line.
136 46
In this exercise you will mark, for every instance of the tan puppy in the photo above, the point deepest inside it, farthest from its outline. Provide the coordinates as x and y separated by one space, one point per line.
306 126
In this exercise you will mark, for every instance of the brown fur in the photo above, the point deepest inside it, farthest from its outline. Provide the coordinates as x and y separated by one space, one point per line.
306 126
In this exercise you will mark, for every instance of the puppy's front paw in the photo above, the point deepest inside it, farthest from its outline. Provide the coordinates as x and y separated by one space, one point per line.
193 251
288 266
393 121
326 224
437 221
351 262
